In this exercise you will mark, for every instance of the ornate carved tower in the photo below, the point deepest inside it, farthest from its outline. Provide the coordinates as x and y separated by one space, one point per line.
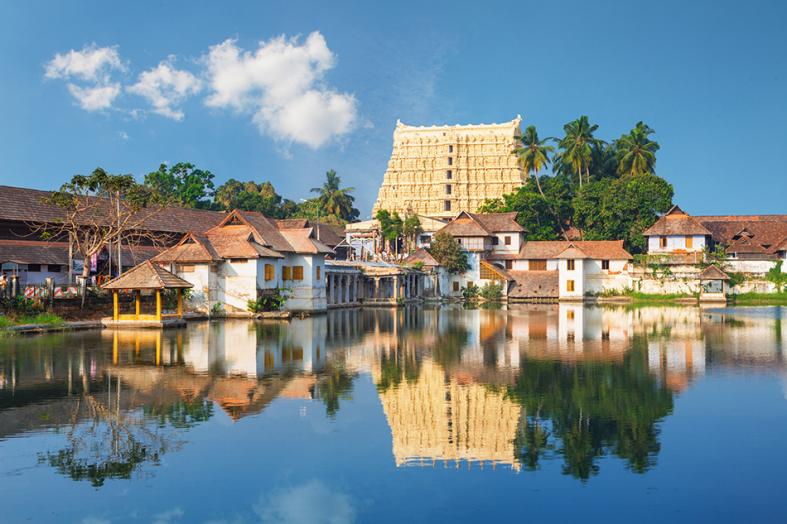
439 171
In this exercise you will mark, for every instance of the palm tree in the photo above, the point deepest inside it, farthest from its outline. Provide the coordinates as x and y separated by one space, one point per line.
533 154
636 152
335 200
576 148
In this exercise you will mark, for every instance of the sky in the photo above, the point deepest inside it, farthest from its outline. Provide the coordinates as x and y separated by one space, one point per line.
284 91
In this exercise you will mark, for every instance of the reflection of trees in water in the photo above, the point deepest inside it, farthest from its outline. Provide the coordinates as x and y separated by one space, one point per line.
335 383
181 415
591 408
106 443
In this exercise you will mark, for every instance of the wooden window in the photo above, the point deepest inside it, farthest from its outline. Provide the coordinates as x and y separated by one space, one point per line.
570 264
54 268
449 174
507 240
448 189
447 205
297 272
569 286
605 264
570 312
270 272
689 242
537 265
186 268
662 241
33 268
456 285
286 273
319 273
509 264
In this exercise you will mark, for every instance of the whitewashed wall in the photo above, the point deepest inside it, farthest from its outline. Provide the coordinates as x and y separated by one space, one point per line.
577 275
675 243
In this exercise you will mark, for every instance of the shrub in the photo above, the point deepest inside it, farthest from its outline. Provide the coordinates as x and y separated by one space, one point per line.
491 292
217 309
267 301
470 292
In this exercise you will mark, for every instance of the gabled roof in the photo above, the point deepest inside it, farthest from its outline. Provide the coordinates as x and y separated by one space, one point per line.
265 228
423 256
572 252
676 222
303 241
147 275
595 249
192 248
713 273
482 224
765 231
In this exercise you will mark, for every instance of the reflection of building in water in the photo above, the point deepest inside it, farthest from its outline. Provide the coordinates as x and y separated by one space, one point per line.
437 418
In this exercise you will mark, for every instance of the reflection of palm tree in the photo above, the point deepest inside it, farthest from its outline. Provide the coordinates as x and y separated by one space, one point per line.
335 383
532 441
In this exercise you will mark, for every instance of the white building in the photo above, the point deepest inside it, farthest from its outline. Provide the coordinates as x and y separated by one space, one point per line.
247 255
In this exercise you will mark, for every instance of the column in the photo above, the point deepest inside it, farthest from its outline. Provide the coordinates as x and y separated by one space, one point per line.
158 306
328 286
396 288
137 303
114 304
346 289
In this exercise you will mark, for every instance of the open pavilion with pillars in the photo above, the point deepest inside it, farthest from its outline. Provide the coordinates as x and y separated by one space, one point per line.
355 283
149 277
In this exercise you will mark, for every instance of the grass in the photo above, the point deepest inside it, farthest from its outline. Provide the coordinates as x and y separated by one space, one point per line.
647 298
41 318
768 299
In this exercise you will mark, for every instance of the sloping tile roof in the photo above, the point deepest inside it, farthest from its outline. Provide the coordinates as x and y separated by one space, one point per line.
39 252
482 224
676 222
147 275
423 256
572 252
534 284
25 205
303 241
267 230
234 241
713 273
292 223
766 231
192 248
595 249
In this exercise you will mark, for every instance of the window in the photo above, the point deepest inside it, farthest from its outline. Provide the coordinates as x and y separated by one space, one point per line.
570 286
605 264
297 272
447 205
238 260
662 241
689 242
537 265
450 160
495 241
449 174
570 312
270 272
450 149
509 264
54 268
34 268
186 268
570 265
456 285
286 273
507 240
319 272
448 189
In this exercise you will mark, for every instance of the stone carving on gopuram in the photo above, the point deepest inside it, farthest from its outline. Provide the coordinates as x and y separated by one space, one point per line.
439 171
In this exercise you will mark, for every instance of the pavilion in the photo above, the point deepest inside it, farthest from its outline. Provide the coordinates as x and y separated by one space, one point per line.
147 276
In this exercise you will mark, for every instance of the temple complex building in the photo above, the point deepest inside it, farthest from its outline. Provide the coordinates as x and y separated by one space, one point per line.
439 171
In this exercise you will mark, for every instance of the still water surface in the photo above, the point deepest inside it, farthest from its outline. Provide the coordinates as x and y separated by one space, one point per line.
535 413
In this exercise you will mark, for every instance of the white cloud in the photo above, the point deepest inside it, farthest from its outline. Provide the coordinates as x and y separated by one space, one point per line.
166 88
281 83
96 97
309 503
92 68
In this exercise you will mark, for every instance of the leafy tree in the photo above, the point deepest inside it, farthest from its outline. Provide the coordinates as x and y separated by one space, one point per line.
182 185
776 276
250 196
335 200
576 147
391 227
636 152
448 252
411 228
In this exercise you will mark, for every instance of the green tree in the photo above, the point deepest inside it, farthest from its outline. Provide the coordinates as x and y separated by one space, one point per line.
411 228
448 252
335 200
182 185
636 152
776 276
533 154
250 196
576 147
391 227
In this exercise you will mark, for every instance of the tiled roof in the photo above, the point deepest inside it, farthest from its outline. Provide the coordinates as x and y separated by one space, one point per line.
482 224
303 241
192 248
25 205
423 256
266 229
572 253
768 232
713 273
534 284
676 222
147 275
39 252
595 249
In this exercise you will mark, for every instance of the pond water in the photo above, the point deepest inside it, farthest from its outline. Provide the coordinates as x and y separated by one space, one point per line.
541 412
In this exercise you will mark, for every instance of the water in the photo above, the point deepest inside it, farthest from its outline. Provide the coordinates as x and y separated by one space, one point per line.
550 413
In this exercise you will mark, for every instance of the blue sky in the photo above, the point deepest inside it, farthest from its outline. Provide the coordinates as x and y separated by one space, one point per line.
284 91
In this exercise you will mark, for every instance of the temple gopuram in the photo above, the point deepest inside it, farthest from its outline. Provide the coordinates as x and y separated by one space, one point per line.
439 171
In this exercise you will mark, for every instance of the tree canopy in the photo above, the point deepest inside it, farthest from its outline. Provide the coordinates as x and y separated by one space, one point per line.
448 252
335 200
251 196
182 185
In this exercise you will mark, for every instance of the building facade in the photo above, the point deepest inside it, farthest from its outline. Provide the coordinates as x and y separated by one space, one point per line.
439 171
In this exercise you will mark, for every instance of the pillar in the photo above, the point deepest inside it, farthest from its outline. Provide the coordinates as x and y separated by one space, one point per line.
396 288
376 293
180 303
158 304
346 288
137 301
114 304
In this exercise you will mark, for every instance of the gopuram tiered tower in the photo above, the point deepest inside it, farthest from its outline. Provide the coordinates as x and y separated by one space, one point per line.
439 171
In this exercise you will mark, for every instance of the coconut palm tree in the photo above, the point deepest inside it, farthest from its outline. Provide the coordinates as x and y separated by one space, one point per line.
335 200
576 147
636 152
534 154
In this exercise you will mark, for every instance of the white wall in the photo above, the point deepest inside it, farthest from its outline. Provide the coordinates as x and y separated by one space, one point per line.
307 294
675 243
501 247
577 275
201 292
237 283
524 265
